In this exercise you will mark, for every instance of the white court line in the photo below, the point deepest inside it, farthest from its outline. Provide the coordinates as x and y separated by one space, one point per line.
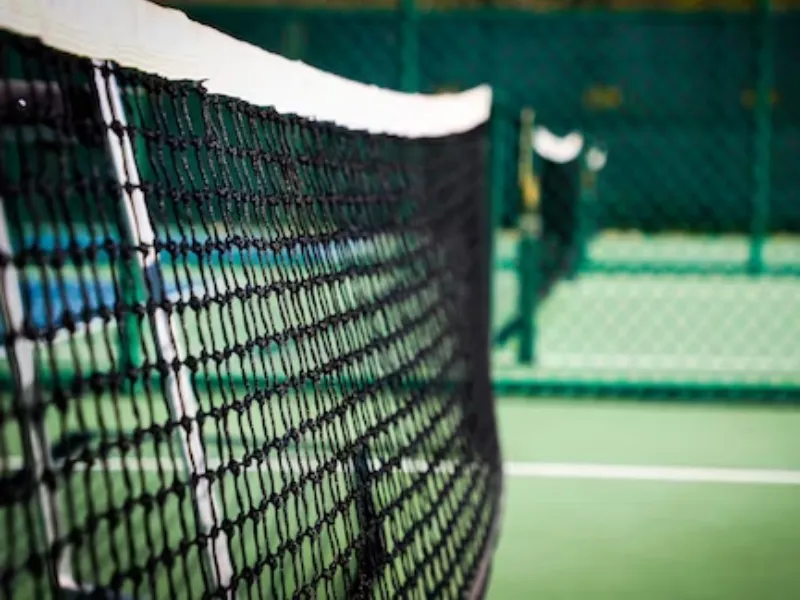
512 469
287 463
652 473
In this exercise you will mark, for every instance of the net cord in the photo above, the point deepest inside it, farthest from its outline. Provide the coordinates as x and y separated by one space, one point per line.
181 400
151 38
21 355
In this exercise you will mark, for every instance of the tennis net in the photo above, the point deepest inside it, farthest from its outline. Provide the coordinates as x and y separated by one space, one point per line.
245 348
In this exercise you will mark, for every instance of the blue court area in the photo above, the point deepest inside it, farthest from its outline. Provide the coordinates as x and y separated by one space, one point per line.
52 297
50 302
228 248
56 302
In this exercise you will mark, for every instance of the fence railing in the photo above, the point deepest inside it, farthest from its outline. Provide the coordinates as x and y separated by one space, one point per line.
701 110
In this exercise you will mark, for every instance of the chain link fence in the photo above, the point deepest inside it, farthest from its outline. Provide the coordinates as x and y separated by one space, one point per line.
685 277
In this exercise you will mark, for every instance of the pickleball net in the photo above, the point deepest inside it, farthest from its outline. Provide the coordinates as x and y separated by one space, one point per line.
245 348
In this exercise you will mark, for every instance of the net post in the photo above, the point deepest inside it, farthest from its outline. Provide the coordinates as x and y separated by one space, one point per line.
762 138
372 555
21 356
529 248
181 401
409 46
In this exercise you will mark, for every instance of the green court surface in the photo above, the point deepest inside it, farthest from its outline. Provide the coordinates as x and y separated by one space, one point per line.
722 250
603 500
632 501
647 328
638 328
283 486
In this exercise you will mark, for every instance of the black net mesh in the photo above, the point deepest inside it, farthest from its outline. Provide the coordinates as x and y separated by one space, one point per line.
281 391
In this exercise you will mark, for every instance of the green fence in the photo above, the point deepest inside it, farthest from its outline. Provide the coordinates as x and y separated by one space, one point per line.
688 284
663 89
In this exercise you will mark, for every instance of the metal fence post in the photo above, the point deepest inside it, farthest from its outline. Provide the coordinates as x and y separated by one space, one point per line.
529 249
409 46
762 163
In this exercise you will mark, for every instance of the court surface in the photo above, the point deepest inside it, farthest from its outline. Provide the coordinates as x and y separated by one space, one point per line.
648 501
687 329
603 500
284 487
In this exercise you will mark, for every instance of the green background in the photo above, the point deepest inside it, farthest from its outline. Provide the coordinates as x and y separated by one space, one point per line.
671 94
